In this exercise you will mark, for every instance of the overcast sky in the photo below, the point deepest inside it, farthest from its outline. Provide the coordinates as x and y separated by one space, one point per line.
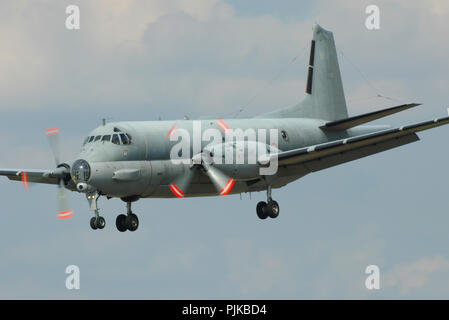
135 60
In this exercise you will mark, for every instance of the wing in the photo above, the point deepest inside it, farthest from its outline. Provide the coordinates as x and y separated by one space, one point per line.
325 155
32 175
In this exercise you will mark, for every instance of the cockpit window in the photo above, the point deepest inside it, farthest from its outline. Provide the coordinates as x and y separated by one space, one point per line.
117 129
85 141
115 139
106 138
130 140
124 138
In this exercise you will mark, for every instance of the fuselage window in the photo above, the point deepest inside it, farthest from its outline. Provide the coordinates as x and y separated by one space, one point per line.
106 138
115 139
91 139
97 138
124 138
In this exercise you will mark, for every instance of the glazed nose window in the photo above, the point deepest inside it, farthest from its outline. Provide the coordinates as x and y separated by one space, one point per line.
80 171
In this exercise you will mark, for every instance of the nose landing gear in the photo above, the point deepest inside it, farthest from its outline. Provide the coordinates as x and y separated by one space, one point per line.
269 208
97 222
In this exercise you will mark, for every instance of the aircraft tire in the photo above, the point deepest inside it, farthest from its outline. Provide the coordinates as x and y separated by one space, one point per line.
93 223
120 223
260 209
272 209
132 222
100 223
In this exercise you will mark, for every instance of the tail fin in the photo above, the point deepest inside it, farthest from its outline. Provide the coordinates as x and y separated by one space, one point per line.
325 98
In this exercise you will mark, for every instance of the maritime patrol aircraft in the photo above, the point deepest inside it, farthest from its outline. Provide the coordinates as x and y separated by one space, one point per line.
133 160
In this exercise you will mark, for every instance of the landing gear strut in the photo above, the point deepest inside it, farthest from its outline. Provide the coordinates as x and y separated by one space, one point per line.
269 208
127 222
97 222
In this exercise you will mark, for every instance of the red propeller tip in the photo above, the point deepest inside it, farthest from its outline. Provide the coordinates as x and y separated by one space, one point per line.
228 186
222 125
51 131
64 214
178 193
24 176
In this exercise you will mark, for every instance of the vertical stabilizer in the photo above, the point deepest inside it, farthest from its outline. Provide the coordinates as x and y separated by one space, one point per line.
325 98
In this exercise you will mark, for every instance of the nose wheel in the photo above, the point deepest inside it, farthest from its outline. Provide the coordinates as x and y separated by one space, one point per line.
269 208
127 222
97 223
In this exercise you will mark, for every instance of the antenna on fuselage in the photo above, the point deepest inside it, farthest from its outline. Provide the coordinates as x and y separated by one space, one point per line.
103 120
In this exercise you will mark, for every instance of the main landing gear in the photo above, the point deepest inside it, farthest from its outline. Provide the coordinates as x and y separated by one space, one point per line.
127 222
269 208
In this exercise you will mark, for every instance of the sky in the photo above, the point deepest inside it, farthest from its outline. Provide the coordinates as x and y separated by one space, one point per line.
135 60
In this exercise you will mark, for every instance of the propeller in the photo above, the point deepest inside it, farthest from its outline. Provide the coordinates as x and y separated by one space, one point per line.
180 185
63 208
221 181
53 139
204 162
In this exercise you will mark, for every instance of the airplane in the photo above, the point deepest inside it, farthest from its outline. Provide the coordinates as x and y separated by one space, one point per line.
133 160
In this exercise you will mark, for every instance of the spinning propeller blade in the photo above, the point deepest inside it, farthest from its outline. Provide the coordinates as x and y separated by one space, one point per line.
221 181
53 139
181 184
63 209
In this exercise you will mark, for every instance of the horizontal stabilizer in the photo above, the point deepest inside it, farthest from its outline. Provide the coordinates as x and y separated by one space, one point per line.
350 122
352 144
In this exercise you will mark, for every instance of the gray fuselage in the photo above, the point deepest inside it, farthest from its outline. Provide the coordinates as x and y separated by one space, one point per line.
144 168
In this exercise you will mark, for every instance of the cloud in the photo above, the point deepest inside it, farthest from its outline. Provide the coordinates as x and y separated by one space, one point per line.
415 275
206 56
255 272
150 58
135 52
